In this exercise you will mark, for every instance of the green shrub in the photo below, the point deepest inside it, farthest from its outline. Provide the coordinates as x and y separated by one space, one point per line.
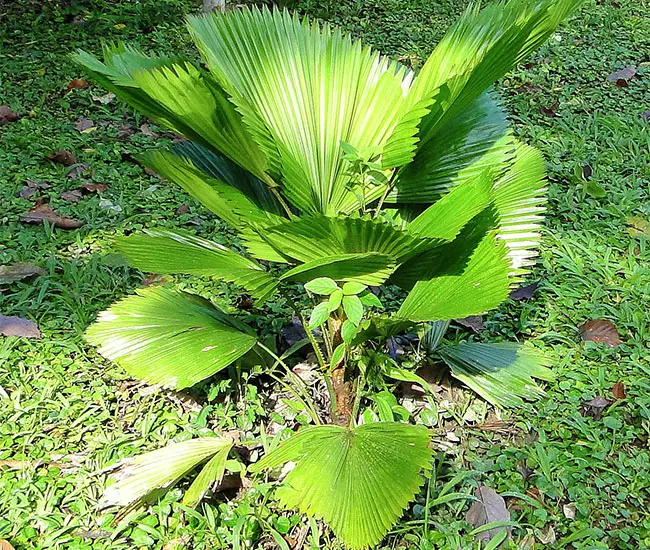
342 170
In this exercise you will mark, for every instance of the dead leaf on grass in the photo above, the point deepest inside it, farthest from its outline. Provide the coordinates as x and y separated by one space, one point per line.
63 156
89 187
600 331
18 271
623 76
31 187
473 322
42 212
618 390
7 114
104 99
147 131
182 209
595 407
72 196
84 125
17 326
489 507
645 115
524 292
78 171
77 84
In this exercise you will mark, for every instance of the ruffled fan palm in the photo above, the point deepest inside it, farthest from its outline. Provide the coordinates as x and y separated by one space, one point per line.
331 161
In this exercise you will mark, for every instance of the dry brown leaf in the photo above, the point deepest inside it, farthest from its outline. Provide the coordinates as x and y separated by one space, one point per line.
17 326
6 545
645 115
72 196
84 125
89 187
79 170
77 84
63 156
623 76
147 131
7 114
600 331
595 407
20 270
42 212
31 187
182 209
473 322
524 292
619 390
489 507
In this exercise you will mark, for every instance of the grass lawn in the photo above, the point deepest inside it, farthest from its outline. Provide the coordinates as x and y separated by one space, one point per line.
574 476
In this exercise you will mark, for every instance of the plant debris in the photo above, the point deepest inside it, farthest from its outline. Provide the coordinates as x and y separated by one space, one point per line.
18 271
600 331
595 407
17 326
473 322
7 114
524 292
489 507
623 76
42 212
618 390
63 156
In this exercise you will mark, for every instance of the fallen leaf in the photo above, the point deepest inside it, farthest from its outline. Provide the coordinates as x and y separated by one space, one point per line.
473 322
547 535
7 114
17 326
615 4
645 115
84 125
18 271
104 99
42 212
89 187
72 196
524 292
551 110
587 171
154 279
595 407
79 170
125 130
147 131
5 545
109 205
63 156
600 331
569 510
77 84
619 390
150 172
182 209
638 226
623 76
489 507
31 187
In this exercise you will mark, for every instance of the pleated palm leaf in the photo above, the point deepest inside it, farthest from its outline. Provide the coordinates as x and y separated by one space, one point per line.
344 169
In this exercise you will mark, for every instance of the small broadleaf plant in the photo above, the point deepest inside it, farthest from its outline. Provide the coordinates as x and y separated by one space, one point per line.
343 171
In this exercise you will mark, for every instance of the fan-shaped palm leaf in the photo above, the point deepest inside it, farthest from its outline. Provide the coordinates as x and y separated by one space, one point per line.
359 480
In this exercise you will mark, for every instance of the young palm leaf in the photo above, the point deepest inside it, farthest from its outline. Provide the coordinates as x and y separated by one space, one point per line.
169 337
359 480
500 373
160 469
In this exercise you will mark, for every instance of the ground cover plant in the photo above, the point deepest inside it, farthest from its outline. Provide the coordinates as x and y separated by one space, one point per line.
571 477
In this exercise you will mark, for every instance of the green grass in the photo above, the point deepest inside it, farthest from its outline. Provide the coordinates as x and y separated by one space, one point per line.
62 399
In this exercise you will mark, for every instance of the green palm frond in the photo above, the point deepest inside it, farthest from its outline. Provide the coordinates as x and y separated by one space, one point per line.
502 374
168 337
359 480
303 90
138 476
165 251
